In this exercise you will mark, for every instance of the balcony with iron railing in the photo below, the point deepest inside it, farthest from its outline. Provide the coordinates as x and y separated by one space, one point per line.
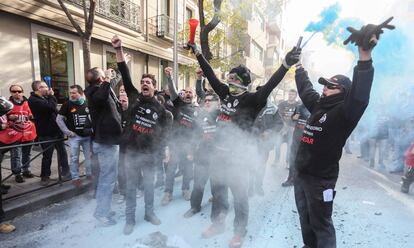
123 12
162 26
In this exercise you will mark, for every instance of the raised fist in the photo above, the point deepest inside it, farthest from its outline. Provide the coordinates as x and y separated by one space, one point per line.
116 42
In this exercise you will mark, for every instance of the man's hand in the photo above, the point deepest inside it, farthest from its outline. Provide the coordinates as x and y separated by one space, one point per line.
12 117
116 42
363 36
193 48
127 58
168 72
109 74
365 55
292 57
71 134
199 73
50 92
295 117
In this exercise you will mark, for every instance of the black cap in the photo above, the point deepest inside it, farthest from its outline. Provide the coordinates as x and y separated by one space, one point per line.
243 73
342 80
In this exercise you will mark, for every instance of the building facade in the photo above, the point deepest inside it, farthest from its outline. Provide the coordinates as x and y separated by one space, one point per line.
37 39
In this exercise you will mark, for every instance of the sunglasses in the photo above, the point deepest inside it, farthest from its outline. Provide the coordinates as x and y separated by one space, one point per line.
16 91
333 86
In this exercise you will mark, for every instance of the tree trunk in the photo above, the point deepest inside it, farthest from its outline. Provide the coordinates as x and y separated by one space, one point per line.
86 46
205 29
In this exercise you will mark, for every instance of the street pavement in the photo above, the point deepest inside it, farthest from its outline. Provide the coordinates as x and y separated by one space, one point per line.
369 211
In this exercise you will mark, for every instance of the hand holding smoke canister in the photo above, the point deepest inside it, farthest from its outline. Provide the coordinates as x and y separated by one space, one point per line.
293 56
364 37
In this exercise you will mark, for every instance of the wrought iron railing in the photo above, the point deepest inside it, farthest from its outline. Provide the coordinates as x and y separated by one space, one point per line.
124 12
162 26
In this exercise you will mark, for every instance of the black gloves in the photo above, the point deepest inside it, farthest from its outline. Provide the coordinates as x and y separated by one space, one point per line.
193 48
292 57
362 37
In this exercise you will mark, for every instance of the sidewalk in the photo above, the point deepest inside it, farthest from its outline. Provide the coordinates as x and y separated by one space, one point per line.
30 195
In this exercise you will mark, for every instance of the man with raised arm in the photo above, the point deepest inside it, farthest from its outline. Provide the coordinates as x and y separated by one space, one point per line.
146 119
239 108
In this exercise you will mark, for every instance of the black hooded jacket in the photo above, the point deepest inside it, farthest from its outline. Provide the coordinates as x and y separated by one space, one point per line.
44 112
331 121
105 114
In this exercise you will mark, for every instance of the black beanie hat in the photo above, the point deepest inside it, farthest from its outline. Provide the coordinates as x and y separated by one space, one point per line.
243 72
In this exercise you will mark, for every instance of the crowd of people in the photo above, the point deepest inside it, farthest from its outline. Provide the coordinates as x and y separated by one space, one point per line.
144 138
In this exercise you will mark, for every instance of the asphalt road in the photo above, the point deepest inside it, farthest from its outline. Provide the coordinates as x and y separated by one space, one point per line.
369 211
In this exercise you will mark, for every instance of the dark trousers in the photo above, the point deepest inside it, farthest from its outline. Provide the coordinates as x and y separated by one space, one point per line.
231 174
2 152
315 214
137 163
48 154
121 170
179 157
257 173
201 175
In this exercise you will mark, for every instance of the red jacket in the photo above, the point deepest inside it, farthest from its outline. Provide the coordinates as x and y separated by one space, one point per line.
22 129
409 155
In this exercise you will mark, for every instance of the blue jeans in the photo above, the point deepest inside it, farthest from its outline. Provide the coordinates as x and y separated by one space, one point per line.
108 156
75 143
19 159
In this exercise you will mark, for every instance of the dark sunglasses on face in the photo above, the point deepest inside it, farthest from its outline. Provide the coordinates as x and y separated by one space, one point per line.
333 86
16 91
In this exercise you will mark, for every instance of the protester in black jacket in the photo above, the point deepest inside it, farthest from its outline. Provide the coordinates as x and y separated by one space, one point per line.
182 145
42 103
145 136
238 111
334 115
104 109
299 117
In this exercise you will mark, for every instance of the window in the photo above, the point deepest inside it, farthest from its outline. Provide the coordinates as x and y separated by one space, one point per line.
56 60
188 13
257 51
164 64
111 60
259 19
165 7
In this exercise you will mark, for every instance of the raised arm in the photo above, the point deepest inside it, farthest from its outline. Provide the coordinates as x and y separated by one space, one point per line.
307 93
199 84
221 89
172 87
356 101
122 67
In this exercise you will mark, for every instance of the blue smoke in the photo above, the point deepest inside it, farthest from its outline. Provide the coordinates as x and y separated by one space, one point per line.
328 17
393 87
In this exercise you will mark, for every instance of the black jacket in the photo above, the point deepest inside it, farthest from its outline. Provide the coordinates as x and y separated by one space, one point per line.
105 114
44 112
146 118
331 121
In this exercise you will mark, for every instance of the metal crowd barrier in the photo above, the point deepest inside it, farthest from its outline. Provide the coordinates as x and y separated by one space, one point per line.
51 146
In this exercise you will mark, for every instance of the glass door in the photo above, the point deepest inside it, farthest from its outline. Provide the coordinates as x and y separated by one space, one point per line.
56 61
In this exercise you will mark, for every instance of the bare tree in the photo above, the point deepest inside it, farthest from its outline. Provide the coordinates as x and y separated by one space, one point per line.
207 28
86 34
